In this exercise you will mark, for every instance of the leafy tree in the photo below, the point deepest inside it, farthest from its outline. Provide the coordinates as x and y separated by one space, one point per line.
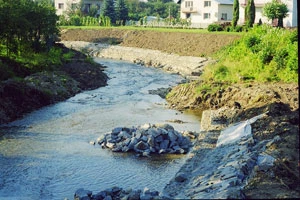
276 10
236 10
27 24
250 13
108 10
121 11
93 11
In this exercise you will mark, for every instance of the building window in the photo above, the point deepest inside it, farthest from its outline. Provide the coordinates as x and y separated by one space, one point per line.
188 4
207 3
224 16
206 16
60 6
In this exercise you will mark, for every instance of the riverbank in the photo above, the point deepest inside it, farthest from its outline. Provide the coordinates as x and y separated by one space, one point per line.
24 95
275 135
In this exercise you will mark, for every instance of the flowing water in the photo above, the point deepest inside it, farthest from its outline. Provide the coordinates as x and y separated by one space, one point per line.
47 155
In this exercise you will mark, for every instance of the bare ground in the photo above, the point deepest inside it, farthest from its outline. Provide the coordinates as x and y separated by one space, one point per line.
247 100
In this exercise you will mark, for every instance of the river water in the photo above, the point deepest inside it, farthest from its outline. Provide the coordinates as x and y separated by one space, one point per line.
47 155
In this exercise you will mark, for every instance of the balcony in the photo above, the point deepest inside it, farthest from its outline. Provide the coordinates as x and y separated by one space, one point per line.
189 10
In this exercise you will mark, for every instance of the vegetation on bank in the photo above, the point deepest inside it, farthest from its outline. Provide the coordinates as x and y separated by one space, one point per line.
263 54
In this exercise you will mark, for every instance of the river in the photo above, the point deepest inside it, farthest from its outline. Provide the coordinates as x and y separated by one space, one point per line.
47 155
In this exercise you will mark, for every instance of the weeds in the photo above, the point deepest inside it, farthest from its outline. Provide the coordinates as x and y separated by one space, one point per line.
263 54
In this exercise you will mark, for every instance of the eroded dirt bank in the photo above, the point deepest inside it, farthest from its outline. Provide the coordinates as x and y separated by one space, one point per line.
184 44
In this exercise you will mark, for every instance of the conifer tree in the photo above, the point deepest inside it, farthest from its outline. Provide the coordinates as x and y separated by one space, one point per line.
250 13
108 10
236 14
121 11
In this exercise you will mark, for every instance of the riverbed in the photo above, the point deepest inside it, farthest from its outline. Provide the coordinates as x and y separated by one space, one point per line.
48 155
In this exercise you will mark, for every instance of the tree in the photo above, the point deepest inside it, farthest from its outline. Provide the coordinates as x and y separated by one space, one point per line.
121 11
276 10
27 24
250 13
108 10
236 10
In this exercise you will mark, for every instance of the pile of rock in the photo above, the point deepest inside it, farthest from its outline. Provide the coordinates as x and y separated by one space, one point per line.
117 193
147 139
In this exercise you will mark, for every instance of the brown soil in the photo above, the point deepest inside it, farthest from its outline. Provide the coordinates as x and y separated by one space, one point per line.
185 44
245 100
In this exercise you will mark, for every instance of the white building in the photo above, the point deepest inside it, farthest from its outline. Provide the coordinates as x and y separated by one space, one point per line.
289 21
205 12
201 13
63 5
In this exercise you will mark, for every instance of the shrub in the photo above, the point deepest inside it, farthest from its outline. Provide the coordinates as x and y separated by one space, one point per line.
214 27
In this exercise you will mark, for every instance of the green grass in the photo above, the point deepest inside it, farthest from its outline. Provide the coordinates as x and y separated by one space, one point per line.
180 30
264 54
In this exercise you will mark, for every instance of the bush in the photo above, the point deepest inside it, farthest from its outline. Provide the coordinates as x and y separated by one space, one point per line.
214 27
262 54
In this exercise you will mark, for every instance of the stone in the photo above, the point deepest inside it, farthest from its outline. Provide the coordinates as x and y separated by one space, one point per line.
164 126
116 131
144 138
134 195
132 143
164 144
172 136
146 126
110 145
124 135
159 138
81 193
265 162
101 139
150 141
141 146
180 177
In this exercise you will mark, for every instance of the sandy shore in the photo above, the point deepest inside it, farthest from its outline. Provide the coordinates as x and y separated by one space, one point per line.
188 66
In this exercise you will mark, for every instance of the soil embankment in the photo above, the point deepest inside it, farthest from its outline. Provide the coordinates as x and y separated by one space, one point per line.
21 96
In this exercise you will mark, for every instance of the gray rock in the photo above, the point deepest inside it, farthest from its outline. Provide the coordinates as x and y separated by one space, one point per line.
132 143
172 136
134 195
159 138
150 141
153 132
141 146
144 138
124 135
164 144
265 162
146 126
164 126
82 193
116 131
110 145
180 177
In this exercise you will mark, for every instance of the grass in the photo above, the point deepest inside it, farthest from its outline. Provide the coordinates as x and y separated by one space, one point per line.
264 54
180 30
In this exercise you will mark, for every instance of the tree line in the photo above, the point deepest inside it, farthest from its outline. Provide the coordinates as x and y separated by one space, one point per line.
27 24
117 12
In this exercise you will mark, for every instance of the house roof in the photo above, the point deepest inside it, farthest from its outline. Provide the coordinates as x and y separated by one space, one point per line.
230 2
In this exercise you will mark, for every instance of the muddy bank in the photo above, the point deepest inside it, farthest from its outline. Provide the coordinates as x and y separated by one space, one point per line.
21 96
